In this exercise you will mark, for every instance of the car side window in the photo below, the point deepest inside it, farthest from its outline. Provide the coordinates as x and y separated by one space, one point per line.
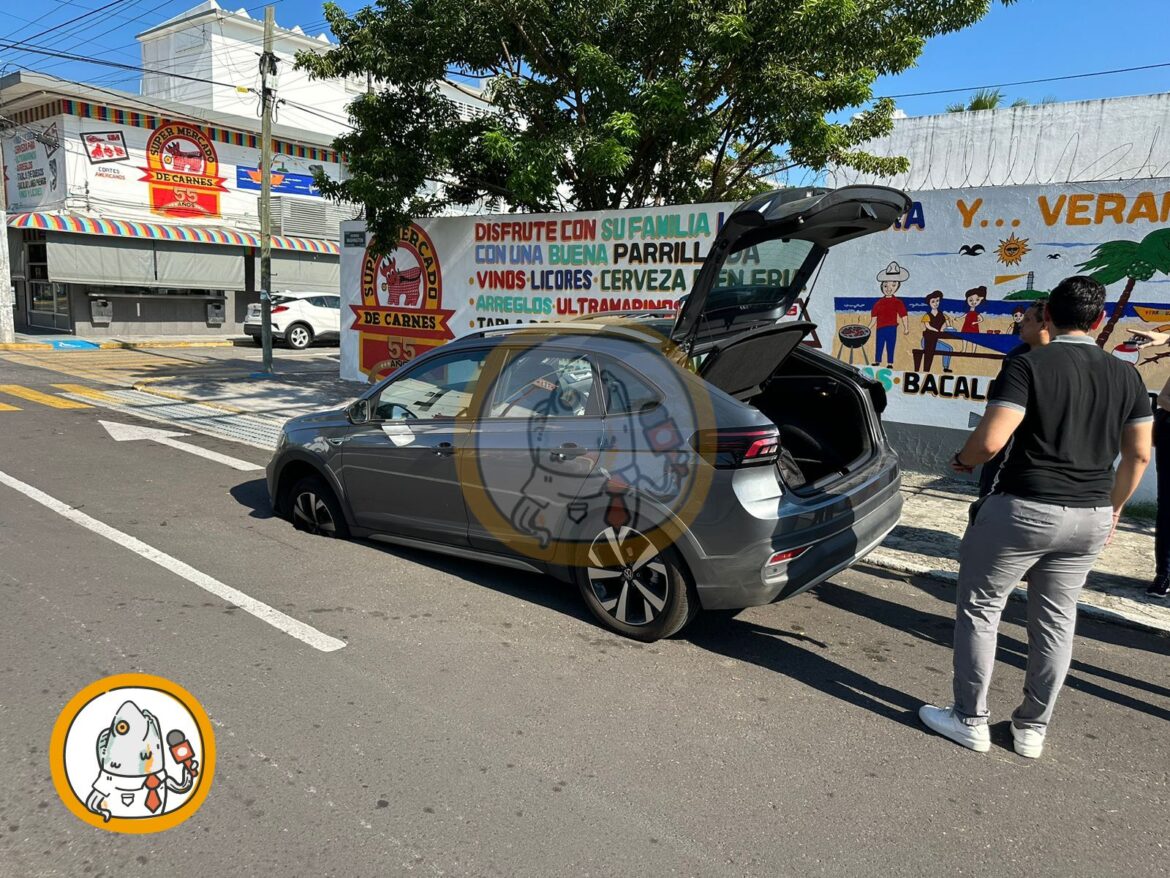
440 389
626 392
317 301
333 302
544 382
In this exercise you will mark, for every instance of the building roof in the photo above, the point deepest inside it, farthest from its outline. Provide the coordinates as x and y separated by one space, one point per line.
24 90
212 11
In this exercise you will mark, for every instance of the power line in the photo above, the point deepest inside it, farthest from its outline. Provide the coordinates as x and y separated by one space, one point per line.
116 64
973 88
337 120
70 24
78 37
90 40
86 14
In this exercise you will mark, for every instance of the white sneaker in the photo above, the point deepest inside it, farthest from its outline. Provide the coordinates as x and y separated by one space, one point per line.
944 721
1028 742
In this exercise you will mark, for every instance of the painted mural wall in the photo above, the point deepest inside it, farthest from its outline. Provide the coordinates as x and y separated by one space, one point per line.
453 275
931 306
980 256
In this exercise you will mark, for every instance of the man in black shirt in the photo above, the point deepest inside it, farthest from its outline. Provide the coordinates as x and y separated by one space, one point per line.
1069 409
1033 333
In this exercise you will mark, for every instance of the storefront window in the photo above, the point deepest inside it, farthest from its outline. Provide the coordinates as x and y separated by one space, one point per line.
40 296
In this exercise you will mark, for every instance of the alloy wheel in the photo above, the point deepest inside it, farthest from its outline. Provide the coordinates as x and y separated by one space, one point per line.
311 513
628 576
299 337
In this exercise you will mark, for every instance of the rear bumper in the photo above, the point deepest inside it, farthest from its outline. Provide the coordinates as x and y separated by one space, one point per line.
734 582
256 330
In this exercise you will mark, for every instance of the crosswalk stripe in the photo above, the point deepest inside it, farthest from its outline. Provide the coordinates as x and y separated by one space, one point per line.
83 390
31 395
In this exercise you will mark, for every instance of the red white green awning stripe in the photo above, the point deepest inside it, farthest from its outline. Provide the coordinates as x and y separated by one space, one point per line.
86 225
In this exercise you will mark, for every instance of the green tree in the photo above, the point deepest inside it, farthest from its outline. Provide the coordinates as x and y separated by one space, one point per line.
1133 260
614 103
984 99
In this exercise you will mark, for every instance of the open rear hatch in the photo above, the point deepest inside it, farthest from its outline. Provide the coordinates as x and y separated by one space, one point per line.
761 260
740 365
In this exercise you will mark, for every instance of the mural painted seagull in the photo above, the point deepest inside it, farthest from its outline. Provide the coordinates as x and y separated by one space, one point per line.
971 249
1056 256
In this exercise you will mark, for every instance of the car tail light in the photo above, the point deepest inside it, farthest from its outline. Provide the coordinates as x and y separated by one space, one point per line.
775 566
732 447
786 555
279 308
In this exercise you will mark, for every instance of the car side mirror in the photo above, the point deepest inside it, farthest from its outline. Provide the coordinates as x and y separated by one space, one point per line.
358 412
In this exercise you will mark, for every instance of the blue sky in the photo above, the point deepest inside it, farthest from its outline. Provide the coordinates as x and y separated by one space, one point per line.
1032 39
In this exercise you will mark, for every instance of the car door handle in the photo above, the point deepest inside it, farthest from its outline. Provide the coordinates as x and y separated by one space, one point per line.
568 451
444 449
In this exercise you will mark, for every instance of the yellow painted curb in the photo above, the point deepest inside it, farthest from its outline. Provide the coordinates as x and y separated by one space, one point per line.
25 346
133 345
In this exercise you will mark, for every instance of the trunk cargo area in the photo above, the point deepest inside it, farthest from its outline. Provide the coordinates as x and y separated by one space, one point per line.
824 424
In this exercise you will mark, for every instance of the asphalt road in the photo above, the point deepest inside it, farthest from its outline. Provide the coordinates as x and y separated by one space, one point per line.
478 722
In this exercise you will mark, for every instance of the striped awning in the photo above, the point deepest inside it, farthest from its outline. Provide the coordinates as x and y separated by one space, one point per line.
87 225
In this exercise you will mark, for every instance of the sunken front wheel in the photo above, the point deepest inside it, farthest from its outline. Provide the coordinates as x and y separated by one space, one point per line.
313 507
635 587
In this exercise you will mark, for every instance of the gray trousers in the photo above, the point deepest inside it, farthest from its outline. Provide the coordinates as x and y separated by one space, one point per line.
1009 537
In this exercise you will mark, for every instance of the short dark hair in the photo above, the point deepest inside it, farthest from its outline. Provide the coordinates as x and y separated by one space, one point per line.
937 294
1076 303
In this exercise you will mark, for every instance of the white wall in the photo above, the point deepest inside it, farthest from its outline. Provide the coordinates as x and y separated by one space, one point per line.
224 47
1116 139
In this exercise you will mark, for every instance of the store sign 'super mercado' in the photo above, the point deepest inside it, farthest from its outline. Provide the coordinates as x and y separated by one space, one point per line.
182 172
401 314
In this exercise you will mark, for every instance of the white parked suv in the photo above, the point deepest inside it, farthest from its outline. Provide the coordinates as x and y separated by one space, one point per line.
299 319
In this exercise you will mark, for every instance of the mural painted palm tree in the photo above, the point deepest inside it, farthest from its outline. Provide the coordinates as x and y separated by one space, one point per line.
1133 260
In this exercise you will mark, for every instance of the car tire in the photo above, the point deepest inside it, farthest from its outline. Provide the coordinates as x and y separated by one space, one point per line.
313 508
257 340
646 601
298 336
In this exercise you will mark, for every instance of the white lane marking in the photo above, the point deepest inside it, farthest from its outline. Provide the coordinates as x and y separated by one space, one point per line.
263 612
131 432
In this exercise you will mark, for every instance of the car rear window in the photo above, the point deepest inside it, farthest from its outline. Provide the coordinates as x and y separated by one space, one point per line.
759 275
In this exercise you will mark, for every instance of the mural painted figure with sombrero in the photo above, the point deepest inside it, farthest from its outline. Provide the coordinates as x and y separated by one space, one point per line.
888 312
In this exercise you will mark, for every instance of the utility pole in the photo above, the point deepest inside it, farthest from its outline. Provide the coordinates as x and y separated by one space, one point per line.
267 100
7 298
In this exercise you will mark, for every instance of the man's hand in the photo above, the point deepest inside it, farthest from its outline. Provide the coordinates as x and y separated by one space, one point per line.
1113 528
960 467
1156 339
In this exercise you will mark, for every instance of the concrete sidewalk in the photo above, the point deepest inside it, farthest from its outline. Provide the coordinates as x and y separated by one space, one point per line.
29 341
925 543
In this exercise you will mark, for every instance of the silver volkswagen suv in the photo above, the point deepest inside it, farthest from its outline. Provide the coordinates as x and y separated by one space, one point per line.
662 463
